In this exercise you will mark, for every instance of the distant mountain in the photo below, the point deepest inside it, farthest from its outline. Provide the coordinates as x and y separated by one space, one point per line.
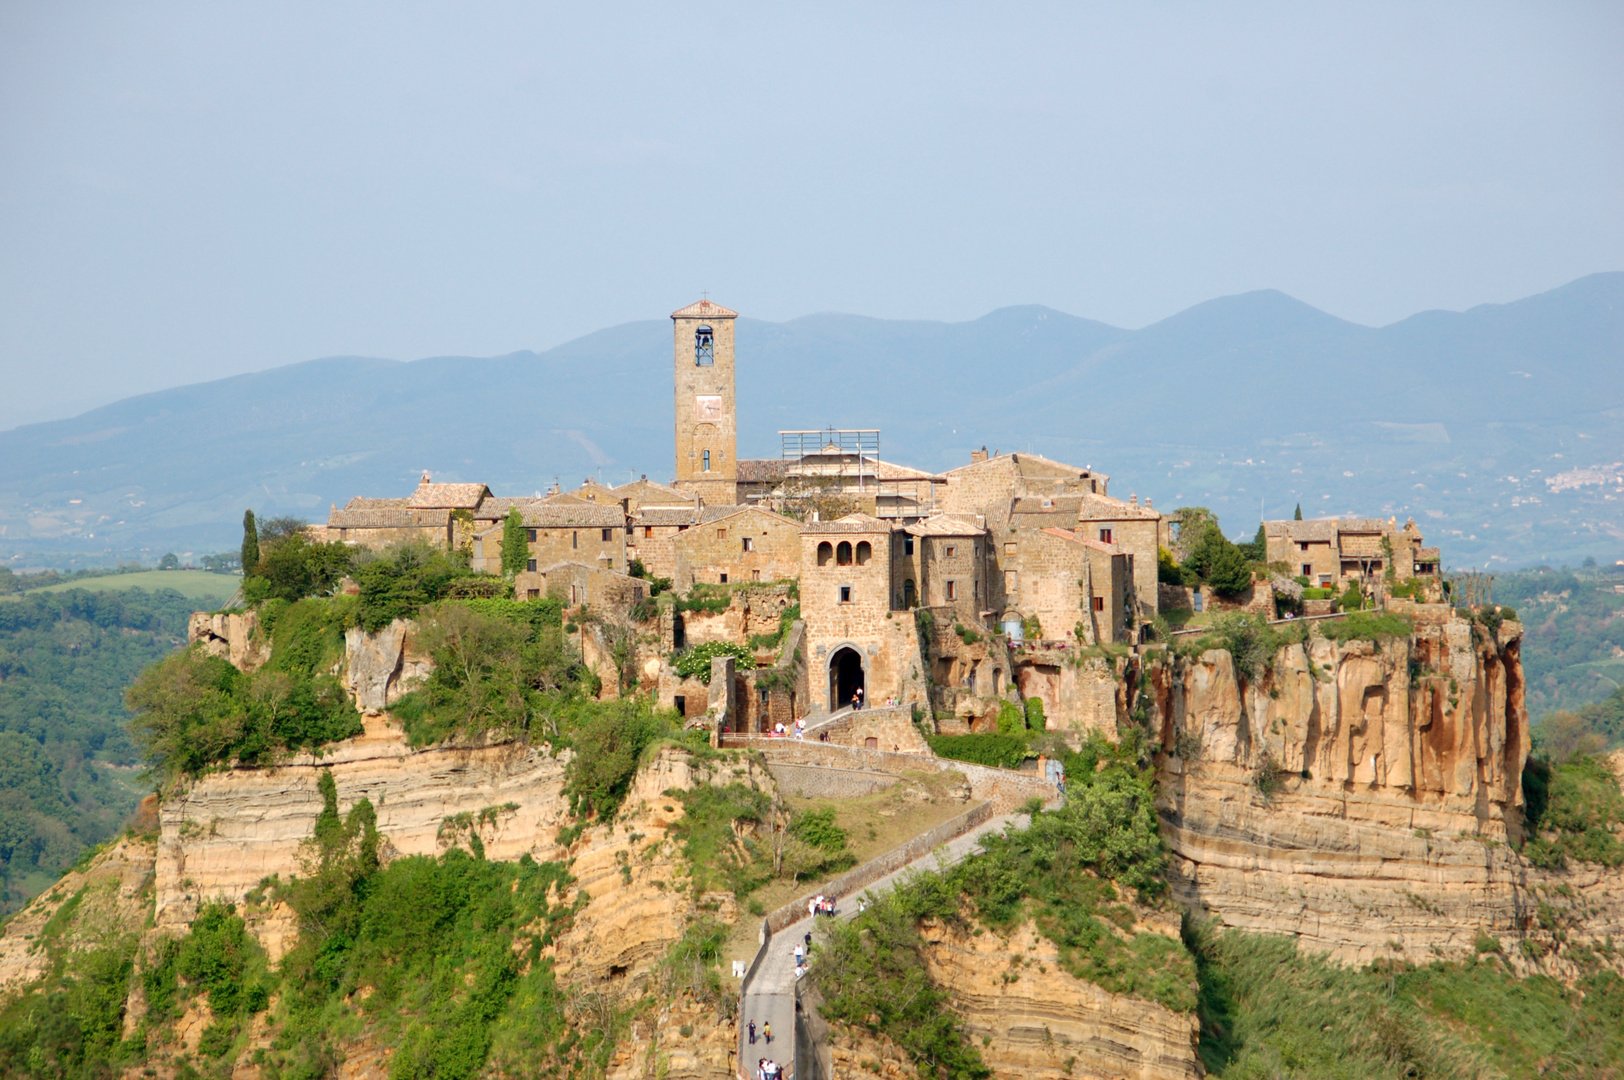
1500 428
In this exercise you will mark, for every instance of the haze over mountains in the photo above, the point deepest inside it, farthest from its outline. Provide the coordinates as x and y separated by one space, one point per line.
1500 429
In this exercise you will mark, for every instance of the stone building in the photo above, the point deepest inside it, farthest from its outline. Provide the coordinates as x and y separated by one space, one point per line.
941 562
578 583
1067 581
742 544
560 529
441 514
846 602
1134 530
706 420
1331 551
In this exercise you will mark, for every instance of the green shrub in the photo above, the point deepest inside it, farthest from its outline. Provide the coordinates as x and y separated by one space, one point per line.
714 853
818 828
1005 751
695 663
1035 720
1366 626
966 635
1011 720
515 543
1580 803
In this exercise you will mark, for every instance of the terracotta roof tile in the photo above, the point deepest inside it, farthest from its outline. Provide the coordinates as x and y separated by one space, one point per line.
448 496
704 309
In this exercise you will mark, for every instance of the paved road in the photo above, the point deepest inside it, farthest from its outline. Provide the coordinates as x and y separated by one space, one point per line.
772 993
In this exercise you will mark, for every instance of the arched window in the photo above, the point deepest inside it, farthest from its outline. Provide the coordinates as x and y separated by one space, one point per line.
826 552
910 593
843 554
864 552
704 347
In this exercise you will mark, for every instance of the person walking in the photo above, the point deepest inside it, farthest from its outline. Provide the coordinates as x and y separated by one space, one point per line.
752 1033
800 953
767 1032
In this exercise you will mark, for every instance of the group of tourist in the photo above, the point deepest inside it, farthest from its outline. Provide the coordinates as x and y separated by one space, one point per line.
768 1069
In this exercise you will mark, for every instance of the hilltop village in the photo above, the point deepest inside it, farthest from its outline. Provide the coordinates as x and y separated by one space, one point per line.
1000 569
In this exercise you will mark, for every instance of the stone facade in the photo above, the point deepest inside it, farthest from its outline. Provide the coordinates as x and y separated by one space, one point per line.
745 545
1066 580
942 562
1332 551
578 583
707 420
846 601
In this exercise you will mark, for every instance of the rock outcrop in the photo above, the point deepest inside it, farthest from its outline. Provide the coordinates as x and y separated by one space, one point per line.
1032 1019
232 636
1364 797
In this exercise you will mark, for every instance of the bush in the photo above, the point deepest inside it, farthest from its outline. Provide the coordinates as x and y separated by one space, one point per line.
1580 803
1366 626
1011 720
696 662
1035 720
399 581
1005 751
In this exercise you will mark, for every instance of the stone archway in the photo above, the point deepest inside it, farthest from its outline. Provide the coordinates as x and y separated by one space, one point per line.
845 676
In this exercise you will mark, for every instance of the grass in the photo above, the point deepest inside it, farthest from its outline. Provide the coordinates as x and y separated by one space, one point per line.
1267 1010
200 585
1573 811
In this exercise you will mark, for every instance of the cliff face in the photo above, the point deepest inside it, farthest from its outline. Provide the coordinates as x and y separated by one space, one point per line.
1031 1019
1363 798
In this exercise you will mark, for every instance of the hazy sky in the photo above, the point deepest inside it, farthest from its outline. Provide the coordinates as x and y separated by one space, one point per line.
193 191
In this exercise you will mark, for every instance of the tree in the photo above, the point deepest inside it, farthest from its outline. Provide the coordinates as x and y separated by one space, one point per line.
515 543
250 543
169 562
1298 516
1220 563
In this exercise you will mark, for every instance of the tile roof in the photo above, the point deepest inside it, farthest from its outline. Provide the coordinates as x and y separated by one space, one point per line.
1086 541
760 470
645 489
552 514
704 309
946 525
665 515
1323 529
494 507
1105 508
361 502
448 496
395 517
722 513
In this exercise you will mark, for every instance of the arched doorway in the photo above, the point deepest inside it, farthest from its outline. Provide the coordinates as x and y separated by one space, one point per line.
845 677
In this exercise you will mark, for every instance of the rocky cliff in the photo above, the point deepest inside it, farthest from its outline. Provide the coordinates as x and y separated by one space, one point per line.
1364 796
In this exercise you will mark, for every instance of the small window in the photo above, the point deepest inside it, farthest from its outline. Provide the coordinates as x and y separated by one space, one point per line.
762 691
864 552
608 535
910 593
532 594
907 545
952 590
721 534
749 543
826 551
680 703
1308 569
530 565
575 539
1099 603
755 575
648 532
707 461
845 594
947 552
1303 546
704 347
1105 536
843 554
530 534
724 577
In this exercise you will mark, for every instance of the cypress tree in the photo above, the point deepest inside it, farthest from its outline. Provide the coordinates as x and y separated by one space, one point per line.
250 543
1298 516
515 543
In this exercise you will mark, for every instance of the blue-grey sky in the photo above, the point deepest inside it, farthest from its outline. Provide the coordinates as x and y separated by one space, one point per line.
190 191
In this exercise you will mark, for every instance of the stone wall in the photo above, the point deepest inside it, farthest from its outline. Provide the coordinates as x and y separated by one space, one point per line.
875 728
715 552
1079 695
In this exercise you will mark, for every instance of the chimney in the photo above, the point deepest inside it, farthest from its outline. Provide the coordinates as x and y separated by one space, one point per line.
978 456
1147 502
1133 500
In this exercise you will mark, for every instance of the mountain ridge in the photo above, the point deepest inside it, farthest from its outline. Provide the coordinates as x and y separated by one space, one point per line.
1338 416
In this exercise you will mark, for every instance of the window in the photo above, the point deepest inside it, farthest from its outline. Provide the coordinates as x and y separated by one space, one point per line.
532 594
707 461
704 347
1105 536
910 593
845 594
530 565
755 575
648 532
762 690
1099 603
749 543
947 552
952 590
1308 569
724 577
680 703
1302 546
907 545
843 554
864 552
530 534
826 551
608 534
721 534
575 539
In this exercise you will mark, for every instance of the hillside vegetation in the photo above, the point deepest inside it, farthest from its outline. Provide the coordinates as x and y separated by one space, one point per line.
68 767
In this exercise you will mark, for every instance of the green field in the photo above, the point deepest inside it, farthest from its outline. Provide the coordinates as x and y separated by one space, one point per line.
200 585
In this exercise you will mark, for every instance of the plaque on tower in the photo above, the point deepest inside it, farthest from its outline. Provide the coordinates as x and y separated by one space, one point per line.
708 408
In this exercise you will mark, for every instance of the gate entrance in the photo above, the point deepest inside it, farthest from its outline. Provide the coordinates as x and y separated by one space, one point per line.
845 677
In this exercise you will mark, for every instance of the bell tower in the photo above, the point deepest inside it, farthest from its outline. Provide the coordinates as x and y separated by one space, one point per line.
707 430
